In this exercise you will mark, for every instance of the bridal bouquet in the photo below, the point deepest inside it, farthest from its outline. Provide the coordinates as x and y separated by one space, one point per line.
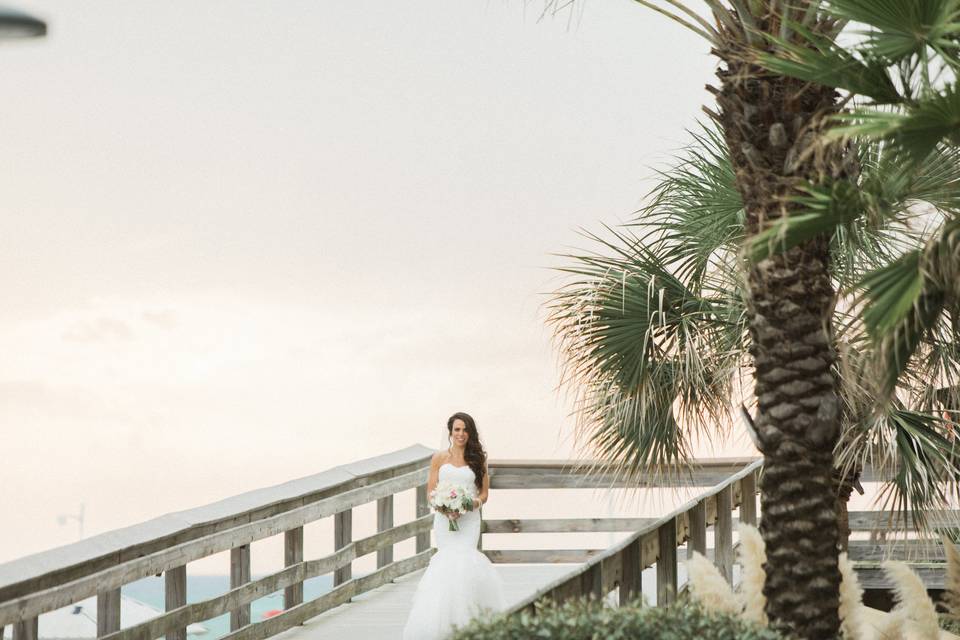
448 497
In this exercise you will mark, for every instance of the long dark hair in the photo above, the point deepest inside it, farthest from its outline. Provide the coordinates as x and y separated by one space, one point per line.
473 454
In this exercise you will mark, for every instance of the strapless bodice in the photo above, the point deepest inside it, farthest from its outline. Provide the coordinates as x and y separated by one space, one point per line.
451 473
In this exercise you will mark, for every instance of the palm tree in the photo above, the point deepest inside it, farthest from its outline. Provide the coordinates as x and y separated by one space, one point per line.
770 124
654 328
813 211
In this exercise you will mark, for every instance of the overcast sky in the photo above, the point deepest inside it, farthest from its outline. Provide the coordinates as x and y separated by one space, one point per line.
248 241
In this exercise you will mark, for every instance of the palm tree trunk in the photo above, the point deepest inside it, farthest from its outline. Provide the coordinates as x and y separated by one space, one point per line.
769 123
797 427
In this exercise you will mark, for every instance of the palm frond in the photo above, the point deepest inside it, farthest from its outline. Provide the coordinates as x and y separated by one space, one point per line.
902 29
652 361
905 300
709 36
935 119
916 130
818 58
822 209
924 461
695 211
877 215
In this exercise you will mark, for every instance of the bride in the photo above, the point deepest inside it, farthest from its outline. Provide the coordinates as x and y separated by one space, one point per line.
460 581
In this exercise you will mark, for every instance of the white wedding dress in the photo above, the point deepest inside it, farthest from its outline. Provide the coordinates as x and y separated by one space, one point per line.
460 581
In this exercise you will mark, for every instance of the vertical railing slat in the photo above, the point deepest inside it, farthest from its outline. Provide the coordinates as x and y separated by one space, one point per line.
108 611
667 563
723 533
293 554
423 508
748 499
239 575
697 516
342 536
26 630
591 581
384 522
175 595
631 584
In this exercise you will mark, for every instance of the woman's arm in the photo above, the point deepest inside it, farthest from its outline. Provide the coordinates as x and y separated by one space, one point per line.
434 476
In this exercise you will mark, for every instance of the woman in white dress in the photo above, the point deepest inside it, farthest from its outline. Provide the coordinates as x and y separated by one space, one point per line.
460 581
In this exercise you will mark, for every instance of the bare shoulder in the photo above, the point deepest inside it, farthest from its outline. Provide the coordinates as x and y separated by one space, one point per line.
438 458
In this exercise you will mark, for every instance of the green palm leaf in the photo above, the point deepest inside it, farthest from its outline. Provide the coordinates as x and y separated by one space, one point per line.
924 462
817 58
933 120
917 131
695 211
905 300
877 214
902 28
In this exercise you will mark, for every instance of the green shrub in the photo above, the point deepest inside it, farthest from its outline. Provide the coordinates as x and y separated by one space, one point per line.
947 623
590 620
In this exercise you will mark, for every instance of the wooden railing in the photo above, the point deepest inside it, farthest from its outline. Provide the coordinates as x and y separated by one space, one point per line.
620 566
101 565
560 474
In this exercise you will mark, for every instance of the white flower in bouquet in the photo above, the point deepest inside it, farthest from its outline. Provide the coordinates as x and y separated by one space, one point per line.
450 497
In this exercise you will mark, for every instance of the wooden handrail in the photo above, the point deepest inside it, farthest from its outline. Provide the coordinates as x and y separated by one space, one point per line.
33 604
70 562
592 474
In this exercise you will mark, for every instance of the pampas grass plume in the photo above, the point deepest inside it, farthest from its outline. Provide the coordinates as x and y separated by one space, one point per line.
894 627
753 555
912 600
709 588
951 594
851 602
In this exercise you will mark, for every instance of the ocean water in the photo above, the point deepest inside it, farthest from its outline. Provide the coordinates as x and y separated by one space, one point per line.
150 591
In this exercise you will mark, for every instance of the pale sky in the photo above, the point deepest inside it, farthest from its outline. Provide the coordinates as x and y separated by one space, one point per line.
244 242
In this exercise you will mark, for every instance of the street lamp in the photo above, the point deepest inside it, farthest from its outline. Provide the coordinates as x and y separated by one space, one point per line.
17 25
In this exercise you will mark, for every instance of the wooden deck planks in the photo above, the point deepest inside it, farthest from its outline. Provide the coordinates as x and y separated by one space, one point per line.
381 613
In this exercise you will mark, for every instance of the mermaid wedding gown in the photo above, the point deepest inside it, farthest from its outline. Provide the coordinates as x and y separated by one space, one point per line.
460 581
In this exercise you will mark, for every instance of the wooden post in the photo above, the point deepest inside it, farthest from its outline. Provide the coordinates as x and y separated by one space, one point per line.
723 533
667 563
175 595
591 581
342 536
479 537
748 499
239 575
697 516
108 611
384 522
631 584
293 554
423 508
26 630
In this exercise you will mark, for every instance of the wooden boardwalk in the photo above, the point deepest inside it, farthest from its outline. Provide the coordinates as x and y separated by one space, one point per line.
381 613
376 604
